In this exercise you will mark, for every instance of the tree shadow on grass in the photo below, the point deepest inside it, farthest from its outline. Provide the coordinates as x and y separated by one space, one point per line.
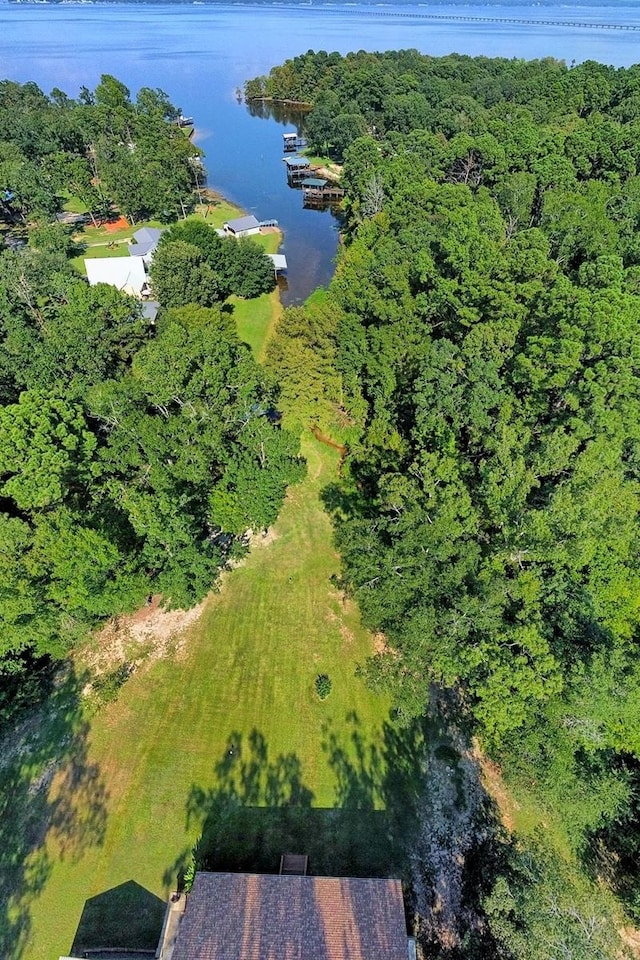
408 804
52 804
261 808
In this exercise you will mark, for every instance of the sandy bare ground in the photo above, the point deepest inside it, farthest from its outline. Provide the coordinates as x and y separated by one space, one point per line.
141 637
153 631
330 171
631 938
494 785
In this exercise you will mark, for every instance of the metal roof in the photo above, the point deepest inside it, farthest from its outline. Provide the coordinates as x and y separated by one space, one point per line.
150 309
142 249
296 161
279 261
146 241
242 223
313 182
147 235
125 273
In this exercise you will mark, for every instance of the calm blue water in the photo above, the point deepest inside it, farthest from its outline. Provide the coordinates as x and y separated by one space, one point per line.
201 53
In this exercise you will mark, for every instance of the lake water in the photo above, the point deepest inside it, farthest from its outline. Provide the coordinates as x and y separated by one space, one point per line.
202 53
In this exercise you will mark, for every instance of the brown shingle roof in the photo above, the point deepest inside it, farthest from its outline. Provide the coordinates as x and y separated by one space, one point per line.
266 917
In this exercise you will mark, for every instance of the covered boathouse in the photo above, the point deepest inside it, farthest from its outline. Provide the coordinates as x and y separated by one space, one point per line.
297 168
317 191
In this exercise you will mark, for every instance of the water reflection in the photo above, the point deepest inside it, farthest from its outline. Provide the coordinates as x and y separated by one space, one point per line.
288 114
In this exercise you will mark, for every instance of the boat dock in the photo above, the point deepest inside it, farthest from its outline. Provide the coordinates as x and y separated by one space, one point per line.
292 142
316 191
297 168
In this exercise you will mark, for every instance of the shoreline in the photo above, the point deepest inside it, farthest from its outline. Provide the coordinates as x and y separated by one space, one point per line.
290 103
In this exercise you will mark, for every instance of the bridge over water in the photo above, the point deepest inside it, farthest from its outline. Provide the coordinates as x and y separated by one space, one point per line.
583 25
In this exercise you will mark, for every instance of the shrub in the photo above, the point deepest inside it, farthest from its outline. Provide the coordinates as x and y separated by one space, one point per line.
107 685
323 685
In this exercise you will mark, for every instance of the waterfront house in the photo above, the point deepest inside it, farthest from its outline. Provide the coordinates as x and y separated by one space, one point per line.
146 240
242 226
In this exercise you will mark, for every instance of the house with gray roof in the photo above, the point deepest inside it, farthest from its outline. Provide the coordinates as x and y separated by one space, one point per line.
146 240
242 226
243 916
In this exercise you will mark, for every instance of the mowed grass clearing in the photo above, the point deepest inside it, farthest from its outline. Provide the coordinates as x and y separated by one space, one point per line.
227 709
243 675
256 319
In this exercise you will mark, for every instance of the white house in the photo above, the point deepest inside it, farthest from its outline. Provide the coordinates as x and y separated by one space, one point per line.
125 273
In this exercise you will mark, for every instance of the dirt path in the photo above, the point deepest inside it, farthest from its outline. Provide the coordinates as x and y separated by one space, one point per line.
323 438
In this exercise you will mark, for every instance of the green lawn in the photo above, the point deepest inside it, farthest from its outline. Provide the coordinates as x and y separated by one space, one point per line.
116 248
223 733
216 212
74 204
255 319
159 758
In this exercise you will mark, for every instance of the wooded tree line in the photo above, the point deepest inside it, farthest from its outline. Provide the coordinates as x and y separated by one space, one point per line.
102 148
483 334
133 457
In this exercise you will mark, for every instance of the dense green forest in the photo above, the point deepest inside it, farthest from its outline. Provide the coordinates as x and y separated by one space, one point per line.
193 265
102 148
133 456
478 349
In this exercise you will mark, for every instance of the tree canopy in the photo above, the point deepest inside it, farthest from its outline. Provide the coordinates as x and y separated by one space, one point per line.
482 330
134 457
103 148
194 265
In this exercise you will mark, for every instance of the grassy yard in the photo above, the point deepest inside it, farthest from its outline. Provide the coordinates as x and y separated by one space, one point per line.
255 319
217 211
157 760
220 731
104 242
